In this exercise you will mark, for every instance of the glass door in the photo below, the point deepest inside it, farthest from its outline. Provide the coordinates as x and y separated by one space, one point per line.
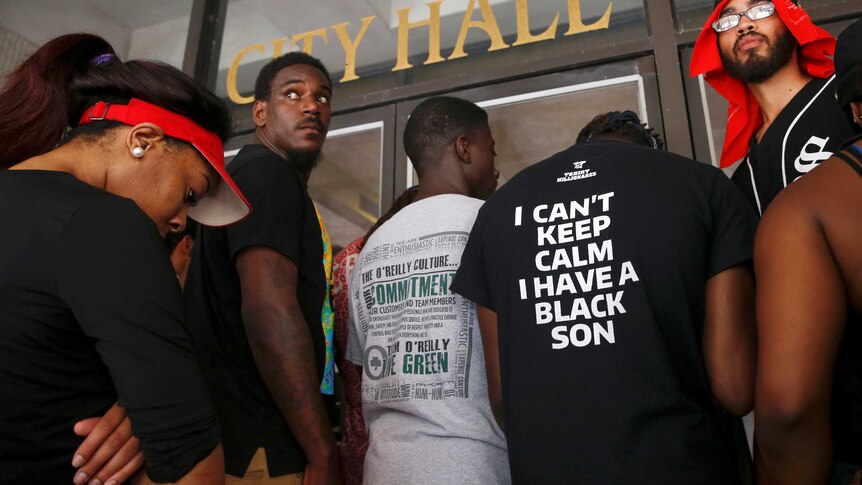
531 119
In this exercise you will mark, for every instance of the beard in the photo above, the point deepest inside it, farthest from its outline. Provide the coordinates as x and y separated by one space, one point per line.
303 161
757 68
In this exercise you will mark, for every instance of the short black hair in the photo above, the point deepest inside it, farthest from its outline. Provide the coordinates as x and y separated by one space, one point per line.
437 122
623 126
263 84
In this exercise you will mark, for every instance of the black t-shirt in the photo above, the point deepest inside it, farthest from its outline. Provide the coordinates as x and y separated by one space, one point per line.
282 218
90 312
596 261
807 131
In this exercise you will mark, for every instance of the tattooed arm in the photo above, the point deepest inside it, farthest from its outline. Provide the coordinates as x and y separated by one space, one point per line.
282 348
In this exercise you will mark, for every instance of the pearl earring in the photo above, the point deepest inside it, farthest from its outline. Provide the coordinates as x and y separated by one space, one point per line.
137 152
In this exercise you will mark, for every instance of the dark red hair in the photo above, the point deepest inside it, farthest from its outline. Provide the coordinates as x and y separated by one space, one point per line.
48 92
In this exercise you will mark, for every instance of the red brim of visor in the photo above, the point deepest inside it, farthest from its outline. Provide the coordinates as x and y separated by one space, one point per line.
224 204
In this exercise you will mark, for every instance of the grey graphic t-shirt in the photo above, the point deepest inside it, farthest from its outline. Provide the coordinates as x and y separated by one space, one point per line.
424 391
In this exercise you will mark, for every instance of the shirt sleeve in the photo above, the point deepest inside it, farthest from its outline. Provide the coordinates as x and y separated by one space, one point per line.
357 319
471 280
117 280
276 195
733 228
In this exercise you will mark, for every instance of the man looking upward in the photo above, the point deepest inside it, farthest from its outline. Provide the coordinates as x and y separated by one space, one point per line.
257 292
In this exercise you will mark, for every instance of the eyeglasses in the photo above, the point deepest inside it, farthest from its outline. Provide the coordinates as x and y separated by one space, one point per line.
756 12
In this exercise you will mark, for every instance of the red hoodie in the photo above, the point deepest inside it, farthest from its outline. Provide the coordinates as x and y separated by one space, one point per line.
743 117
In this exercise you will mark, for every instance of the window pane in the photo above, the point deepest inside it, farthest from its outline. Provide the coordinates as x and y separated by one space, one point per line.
345 185
530 131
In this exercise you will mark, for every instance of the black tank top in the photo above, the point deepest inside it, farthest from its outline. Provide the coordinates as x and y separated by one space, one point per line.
850 160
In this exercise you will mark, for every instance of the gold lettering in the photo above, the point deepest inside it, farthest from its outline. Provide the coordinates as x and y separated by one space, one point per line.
231 87
404 27
576 22
307 39
488 24
278 47
351 46
524 35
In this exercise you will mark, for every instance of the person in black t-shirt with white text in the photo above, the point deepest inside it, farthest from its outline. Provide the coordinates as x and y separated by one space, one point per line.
257 293
773 66
616 308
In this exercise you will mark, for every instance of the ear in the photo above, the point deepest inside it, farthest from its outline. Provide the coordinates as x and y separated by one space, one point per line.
258 113
145 136
856 107
186 244
462 148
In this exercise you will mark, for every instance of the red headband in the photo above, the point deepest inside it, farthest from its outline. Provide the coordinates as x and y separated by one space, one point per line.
743 116
225 203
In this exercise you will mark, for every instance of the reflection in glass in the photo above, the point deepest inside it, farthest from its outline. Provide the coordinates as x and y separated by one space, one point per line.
345 185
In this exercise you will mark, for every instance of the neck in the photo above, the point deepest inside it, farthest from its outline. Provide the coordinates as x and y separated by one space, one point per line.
181 266
261 138
775 93
444 178
86 162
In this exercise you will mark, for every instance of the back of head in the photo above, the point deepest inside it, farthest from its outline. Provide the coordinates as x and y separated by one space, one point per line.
621 126
263 84
437 122
848 64
47 94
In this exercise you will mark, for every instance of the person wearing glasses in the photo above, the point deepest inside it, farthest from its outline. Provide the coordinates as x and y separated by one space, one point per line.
774 67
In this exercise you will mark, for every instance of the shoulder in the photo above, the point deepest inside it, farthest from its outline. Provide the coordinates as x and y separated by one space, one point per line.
258 169
461 203
831 180
257 161
110 238
114 232
818 98
796 207
107 212
253 153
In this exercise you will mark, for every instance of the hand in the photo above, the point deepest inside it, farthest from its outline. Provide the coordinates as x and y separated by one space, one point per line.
328 473
110 454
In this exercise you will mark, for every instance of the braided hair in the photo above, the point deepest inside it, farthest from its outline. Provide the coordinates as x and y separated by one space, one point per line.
622 126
